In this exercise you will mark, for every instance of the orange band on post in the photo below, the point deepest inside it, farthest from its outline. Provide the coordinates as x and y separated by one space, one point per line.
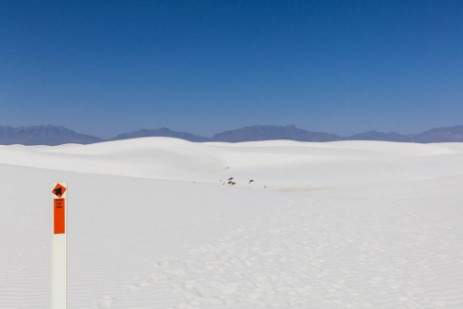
59 216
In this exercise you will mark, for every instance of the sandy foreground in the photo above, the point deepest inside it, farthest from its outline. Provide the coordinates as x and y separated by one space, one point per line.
153 223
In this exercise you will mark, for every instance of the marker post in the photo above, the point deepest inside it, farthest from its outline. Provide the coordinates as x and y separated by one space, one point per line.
58 259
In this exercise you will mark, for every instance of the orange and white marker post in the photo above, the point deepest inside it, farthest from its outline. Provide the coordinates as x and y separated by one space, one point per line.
59 263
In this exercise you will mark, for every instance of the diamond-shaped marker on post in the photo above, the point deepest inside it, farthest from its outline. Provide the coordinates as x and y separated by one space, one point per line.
59 190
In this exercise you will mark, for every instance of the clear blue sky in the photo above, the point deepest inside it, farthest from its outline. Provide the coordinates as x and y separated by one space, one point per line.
104 67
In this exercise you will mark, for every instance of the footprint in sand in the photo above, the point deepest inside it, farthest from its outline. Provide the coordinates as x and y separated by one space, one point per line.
138 286
105 302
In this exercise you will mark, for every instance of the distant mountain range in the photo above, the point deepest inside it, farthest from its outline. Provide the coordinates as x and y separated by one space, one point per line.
263 133
43 135
56 135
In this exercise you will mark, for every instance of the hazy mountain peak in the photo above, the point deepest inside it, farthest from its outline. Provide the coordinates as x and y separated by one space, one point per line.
441 134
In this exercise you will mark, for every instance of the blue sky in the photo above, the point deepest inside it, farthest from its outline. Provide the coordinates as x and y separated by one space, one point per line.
105 67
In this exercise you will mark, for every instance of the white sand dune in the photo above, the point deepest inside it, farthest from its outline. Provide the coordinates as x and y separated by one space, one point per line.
153 224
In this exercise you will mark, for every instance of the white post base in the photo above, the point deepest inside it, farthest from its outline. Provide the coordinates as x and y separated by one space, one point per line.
59 272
